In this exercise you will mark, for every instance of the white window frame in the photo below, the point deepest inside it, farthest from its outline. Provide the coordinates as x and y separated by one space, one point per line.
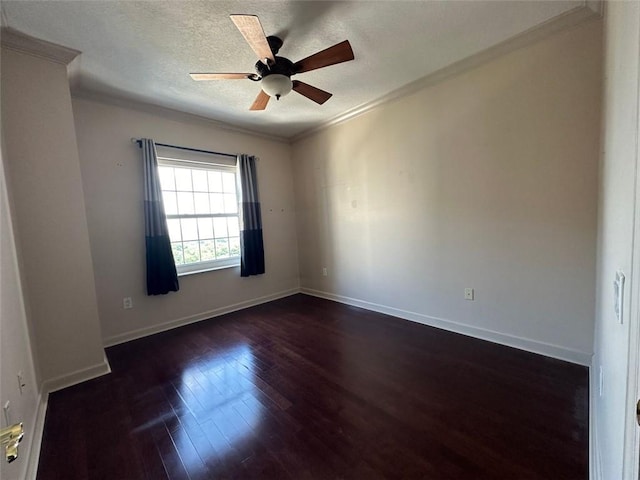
177 159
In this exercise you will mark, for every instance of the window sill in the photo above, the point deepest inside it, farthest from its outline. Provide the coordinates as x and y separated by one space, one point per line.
208 269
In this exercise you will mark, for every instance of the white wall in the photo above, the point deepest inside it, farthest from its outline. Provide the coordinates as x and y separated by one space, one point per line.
45 187
616 231
15 345
486 180
112 178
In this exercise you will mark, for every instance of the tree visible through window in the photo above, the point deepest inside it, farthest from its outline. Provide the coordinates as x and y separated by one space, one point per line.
201 205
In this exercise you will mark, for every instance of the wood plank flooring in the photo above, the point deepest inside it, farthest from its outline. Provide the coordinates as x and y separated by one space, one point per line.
304 388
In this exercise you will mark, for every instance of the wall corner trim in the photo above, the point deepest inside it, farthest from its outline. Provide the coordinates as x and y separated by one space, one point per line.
21 42
533 346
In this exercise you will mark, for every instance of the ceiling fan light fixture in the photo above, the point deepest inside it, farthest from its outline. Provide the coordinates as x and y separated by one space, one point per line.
276 85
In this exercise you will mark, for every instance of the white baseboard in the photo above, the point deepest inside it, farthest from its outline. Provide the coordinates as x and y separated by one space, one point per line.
534 346
162 327
47 387
33 455
73 378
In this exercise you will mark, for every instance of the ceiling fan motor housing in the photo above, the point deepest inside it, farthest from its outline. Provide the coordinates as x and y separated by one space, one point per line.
275 43
282 66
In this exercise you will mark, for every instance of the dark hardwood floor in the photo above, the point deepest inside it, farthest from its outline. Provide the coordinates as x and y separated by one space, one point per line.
303 388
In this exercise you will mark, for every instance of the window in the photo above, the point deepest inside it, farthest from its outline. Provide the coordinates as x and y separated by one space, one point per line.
201 205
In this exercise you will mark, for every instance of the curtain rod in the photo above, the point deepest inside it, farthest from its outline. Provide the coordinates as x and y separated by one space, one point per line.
139 142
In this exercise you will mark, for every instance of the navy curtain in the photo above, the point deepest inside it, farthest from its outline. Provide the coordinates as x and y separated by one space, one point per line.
251 245
162 277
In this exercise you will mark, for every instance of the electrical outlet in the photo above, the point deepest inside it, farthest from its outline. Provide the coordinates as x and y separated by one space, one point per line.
5 410
21 383
127 303
468 294
324 271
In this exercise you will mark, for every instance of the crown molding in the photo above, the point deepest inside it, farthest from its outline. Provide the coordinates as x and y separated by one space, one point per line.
153 109
21 42
590 9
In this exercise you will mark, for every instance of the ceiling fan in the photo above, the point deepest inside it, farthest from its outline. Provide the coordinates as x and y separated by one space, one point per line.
274 73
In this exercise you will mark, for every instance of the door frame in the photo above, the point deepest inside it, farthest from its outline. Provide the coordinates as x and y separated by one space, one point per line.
631 453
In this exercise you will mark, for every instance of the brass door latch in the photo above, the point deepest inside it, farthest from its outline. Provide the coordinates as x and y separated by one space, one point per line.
10 437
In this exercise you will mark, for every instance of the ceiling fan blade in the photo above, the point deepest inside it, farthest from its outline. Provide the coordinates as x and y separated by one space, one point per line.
261 101
312 93
220 76
251 30
340 52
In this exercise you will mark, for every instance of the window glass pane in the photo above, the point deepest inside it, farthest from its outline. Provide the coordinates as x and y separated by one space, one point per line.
191 252
230 203
234 230
220 227
174 229
199 192
222 247
205 228
178 258
229 182
207 250
185 203
202 202
170 203
189 228
215 181
199 180
234 246
183 179
217 202
167 181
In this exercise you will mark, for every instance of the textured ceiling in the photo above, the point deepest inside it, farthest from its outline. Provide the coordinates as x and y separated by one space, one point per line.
144 51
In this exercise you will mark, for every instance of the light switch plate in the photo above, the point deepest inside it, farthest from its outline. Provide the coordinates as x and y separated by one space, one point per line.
618 296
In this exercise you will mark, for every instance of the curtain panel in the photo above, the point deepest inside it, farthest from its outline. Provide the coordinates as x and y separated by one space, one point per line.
162 276
251 243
